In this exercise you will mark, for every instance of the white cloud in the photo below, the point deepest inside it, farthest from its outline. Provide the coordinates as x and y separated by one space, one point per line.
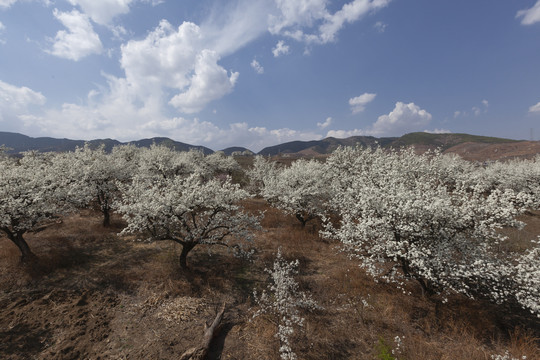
476 111
438 131
403 119
350 13
358 104
257 67
485 103
280 49
325 124
2 28
530 16
16 103
233 24
380 26
103 11
18 98
79 41
118 32
210 82
457 114
535 108
4 4
297 15
342 134
165 58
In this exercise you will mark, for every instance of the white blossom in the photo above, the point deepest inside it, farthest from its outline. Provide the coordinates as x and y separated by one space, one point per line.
282 300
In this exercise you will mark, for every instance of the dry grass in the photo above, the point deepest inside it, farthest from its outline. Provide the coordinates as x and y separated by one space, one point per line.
115 298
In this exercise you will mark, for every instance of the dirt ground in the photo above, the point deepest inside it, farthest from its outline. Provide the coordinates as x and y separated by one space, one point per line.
96 295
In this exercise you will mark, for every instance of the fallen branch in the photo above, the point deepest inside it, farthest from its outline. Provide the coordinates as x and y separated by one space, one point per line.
200 352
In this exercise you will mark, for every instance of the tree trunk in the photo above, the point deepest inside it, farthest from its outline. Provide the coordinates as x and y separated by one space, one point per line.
26 254
200 352
301 219
186 248
106 217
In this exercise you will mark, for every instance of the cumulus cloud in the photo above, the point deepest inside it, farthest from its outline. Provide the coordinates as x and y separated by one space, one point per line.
16 103
79 41
535 108
166 57
257 67
403 119
18 98
298 15
210 82
280 49
358 104
530 16
195 131
342 134
177 59
325 124
102 11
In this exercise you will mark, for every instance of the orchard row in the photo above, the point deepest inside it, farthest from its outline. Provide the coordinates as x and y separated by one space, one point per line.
432 219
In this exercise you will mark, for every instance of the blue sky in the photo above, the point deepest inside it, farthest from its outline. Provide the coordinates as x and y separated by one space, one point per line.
255 73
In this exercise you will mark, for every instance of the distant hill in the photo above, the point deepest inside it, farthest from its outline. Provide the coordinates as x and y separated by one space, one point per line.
420 140
471 147
445 141
324 146
178 146
19 143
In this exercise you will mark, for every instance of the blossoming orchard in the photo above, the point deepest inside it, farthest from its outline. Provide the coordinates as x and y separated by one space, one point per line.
433 225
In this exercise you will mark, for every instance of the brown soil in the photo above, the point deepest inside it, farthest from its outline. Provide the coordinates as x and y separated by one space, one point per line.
95 295
502 151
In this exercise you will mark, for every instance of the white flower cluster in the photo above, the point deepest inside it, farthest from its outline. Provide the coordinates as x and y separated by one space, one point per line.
283 301
30 194
176 196
408 216
507 356
398 350
300 190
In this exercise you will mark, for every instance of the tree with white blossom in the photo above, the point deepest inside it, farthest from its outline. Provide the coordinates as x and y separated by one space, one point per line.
92 175
404 222
187 210
262 170
30 196
160 161
300 189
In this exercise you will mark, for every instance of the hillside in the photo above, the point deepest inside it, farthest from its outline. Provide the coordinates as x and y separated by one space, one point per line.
422 141
470 147
324 146
19 143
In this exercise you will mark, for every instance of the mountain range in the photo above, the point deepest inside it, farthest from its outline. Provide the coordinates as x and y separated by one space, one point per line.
466 145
